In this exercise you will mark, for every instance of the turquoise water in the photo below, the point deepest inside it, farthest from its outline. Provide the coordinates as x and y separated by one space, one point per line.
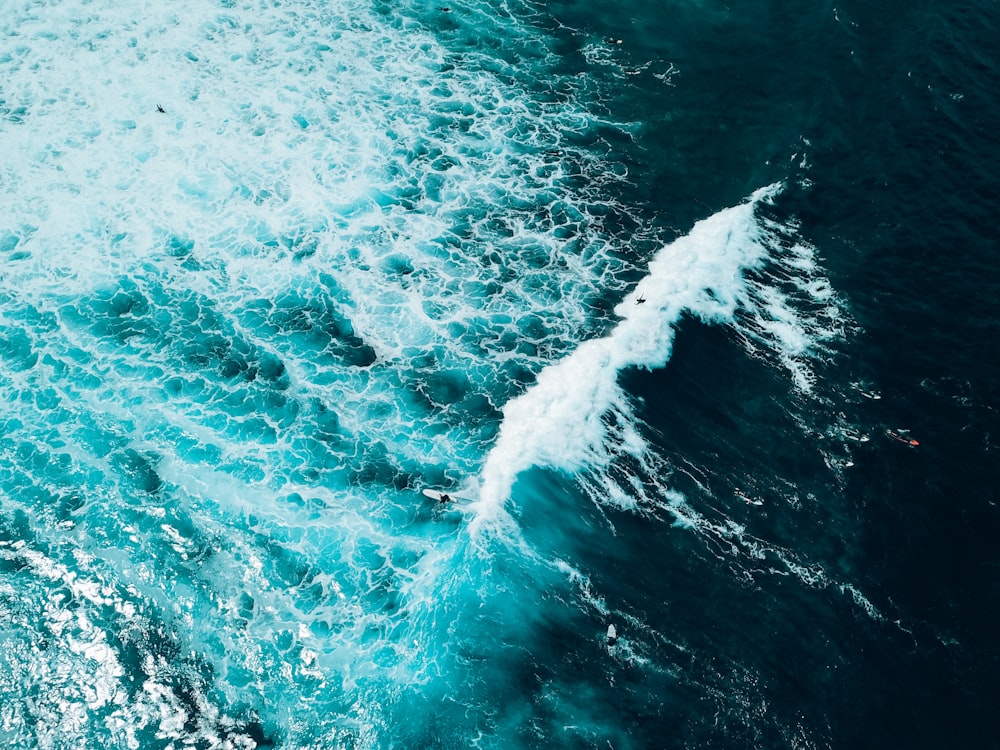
658 293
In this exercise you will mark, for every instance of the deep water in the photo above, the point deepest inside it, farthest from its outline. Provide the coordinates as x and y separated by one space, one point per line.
691 306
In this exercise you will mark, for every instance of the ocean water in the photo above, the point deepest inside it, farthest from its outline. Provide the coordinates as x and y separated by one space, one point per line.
691 306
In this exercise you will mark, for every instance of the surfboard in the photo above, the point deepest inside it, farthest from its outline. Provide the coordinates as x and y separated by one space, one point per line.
436 495
903 437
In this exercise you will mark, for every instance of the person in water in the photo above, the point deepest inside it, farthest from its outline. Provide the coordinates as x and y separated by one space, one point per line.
445 498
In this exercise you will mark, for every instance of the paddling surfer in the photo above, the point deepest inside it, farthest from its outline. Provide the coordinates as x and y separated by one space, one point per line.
903 437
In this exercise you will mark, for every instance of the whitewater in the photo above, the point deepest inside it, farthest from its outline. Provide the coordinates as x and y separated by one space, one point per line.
270 269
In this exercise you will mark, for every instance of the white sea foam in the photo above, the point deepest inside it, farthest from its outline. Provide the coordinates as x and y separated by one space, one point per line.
336 179
239 326
60 646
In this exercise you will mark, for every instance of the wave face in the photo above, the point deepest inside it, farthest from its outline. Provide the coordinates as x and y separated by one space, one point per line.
577 417
271 268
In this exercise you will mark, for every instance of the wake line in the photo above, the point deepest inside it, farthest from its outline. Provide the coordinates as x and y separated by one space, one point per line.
563 421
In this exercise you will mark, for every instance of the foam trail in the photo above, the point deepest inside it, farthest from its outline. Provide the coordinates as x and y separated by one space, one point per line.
563 421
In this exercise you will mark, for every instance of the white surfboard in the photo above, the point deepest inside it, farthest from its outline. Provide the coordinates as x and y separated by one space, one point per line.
441 497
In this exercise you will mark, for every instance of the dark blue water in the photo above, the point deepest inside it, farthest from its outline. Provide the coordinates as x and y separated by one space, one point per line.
892 104
664 295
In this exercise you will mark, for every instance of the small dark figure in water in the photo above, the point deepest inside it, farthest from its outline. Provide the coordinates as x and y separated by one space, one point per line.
640 300
445 498
160 109
444 9
903 438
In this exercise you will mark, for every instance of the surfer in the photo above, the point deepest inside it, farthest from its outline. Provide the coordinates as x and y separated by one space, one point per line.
440 497
902 438
160 109
612 635
640 299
